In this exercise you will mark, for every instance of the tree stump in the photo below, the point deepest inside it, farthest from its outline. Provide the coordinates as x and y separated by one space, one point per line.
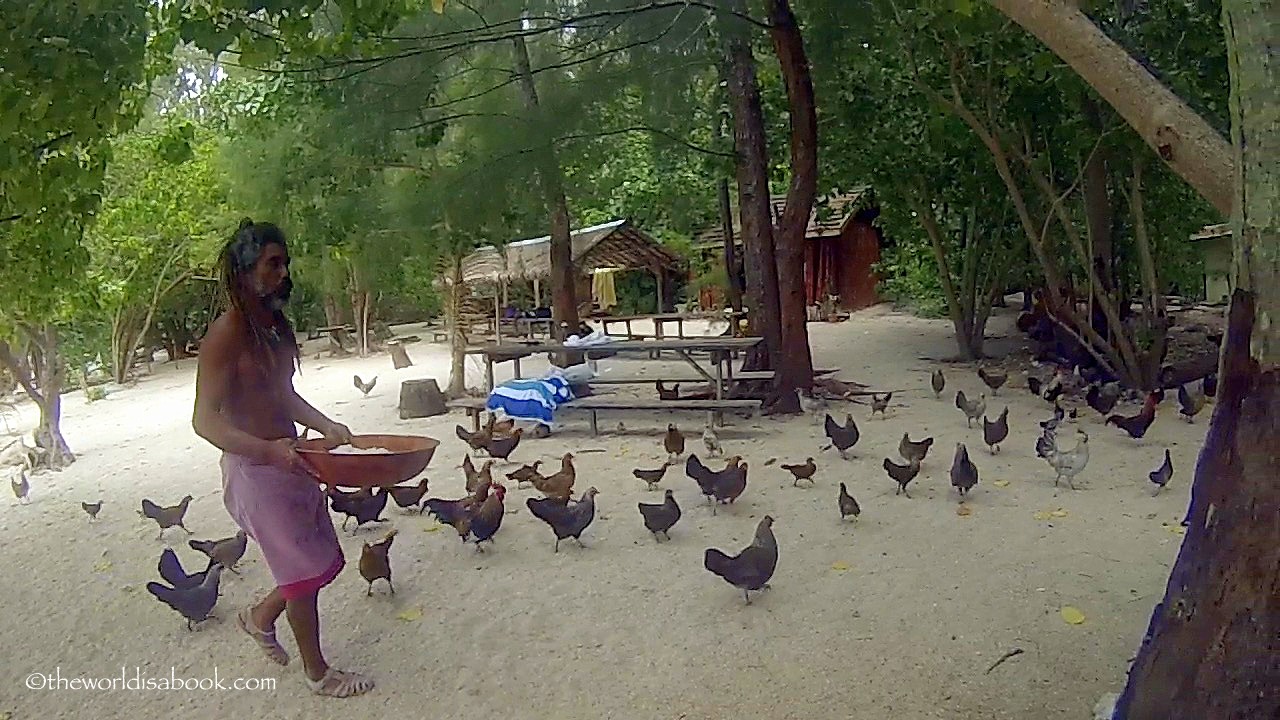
400 356
421 398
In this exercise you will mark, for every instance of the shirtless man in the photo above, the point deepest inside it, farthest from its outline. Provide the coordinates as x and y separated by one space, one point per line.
246 406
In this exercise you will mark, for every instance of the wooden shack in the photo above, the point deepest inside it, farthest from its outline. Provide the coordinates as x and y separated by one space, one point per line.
841 250
1214 242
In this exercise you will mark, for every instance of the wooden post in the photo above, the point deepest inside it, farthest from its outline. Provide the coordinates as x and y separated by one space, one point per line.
537 292
497 316
659 275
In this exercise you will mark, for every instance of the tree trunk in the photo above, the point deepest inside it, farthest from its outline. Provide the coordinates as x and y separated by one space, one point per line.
732 265
753 188
457 340
564 304
49 373
1212 645
796 370
1183 139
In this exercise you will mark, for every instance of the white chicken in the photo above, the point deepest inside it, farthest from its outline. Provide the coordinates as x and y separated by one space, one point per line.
1070 463
711 441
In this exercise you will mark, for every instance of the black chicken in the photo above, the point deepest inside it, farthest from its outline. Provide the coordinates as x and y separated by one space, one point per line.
752 568
1161 475
964 474
1190 405
660 517
938 382
843 437
994 379
1103 398
880 404
994 433
193 603
848 506
902 474
172 572
409 496
364 506
566 520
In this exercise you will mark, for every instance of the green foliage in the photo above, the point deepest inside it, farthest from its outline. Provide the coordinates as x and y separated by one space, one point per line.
71 72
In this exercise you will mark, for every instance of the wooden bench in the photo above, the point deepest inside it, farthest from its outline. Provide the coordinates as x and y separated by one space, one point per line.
596 403
671 379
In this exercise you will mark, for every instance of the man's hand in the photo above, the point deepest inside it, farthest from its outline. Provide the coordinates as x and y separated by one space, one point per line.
337 432
282 454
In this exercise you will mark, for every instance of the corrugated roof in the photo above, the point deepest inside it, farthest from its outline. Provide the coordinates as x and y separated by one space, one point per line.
613 244
830 215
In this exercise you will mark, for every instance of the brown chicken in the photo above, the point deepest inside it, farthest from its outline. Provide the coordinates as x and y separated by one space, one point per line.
914 451
478 440
226 552
485 520
524 473
559 485
409 496
502 448
500 428
673 442
1136 425
993 378
167 517
802 472
375 564
477 477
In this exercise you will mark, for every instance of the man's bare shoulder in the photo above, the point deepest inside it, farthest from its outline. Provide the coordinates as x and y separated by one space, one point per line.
225 334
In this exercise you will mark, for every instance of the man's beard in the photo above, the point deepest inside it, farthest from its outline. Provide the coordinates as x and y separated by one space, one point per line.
275 301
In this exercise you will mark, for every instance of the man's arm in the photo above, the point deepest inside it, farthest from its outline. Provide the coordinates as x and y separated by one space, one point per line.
214 371
303 413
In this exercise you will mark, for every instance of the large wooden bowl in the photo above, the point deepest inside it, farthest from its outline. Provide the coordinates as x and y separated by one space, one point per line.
406 456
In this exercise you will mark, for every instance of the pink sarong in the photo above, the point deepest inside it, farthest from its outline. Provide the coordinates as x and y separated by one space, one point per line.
287 516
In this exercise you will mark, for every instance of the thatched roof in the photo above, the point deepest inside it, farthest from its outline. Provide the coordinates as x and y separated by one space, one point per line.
828 219
617 244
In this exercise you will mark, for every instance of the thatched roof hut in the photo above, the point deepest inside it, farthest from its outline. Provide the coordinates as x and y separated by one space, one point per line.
616 244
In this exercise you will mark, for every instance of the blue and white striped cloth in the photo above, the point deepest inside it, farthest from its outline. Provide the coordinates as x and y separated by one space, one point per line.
535 399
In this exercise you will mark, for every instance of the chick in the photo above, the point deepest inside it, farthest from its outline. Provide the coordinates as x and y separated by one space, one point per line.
21 486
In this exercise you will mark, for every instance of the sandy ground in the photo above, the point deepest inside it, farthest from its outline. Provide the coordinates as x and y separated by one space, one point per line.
896 615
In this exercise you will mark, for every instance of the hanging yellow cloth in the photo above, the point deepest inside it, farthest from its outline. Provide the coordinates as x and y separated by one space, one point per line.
602 289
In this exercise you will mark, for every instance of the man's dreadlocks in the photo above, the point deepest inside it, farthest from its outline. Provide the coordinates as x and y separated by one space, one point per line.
237 260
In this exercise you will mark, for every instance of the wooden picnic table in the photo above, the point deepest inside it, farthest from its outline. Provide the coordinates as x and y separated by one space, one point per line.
721 371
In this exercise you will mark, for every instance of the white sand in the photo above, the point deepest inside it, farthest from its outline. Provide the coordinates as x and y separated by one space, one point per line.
626 628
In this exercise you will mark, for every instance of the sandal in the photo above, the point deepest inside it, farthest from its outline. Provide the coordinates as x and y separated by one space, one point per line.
340 684
266 639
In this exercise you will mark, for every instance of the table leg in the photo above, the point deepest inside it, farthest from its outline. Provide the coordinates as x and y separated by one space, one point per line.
475 420
716 417
517 368
595 429
488 372
658 334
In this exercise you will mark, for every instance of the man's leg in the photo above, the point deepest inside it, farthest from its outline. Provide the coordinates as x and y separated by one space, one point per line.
260 622
304 618
266 612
